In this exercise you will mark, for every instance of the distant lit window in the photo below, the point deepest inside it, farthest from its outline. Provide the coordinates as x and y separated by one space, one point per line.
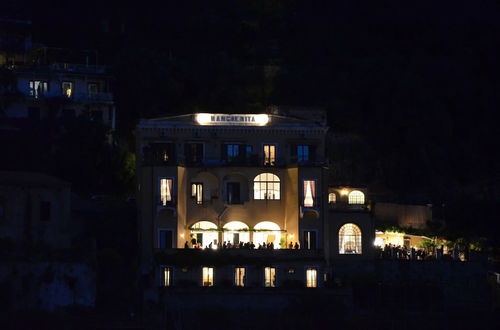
166 280
311 278
197 192
303 154
266 186
67 89
166 186
309 193
239 276
356 197
270 277
332 198
207 276
350 239
38 88
269 154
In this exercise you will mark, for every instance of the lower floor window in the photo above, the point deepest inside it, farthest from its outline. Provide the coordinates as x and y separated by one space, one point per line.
208 276
239 276
167 276
270 277
311 278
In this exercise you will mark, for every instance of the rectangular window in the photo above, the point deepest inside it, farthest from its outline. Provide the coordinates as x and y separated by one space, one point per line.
67 89
45 211
208 276
166 280
194 153
302 154
233 193
93 90
165 239
270 277
309 240
311 278
159 153
197 192
232 152
38 88
166 186
309 193
239 276
269 155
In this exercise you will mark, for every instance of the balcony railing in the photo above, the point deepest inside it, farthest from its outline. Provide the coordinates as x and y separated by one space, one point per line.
75 97
343 206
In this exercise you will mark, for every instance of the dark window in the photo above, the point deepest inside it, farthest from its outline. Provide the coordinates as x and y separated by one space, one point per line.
234 153
93 90
302 154
165 239
309 240
159 153
233 193
194 153
34 113
45 211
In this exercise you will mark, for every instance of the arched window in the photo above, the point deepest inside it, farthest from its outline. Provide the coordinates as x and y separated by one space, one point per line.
332 198
349 239
356 197
267 232
266 186
236 232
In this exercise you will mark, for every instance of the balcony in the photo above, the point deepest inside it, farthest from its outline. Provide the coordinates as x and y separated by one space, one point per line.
346 207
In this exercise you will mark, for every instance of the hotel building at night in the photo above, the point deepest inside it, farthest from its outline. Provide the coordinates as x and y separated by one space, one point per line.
214 189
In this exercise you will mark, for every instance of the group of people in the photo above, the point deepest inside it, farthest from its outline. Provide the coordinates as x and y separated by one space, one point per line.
241 245
390 251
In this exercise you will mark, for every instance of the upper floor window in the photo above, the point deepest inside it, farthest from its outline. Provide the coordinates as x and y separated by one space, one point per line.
207 276
309 193
232 152
166 194
302 154
356 197
266 186
67 88
311 278
270 277
332 198
93 89
197 192
194 152
38 88
269 154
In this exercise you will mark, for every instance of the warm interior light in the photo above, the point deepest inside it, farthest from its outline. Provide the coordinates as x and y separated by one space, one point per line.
182 235
292 235
344 192
261 120
203 118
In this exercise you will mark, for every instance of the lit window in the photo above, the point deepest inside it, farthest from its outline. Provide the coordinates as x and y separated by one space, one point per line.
311 278
166 277
208 276
67 88
270 277
356 197
332 198
166 191
269 155
309 193
38 88
303 154
349 239
266 186
197 192
239 276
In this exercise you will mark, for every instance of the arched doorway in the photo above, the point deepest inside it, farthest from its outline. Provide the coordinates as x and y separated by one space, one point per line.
267 232
236 232
204 232
350 239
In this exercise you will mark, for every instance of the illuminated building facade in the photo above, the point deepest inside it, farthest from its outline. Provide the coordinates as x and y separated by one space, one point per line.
243 199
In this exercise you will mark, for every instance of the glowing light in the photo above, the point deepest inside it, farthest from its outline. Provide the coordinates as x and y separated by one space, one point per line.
261 120
291 235
182 235
232 119
344 192
203 118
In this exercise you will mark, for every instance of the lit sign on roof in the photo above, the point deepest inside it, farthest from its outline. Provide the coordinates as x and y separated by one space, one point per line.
221 119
